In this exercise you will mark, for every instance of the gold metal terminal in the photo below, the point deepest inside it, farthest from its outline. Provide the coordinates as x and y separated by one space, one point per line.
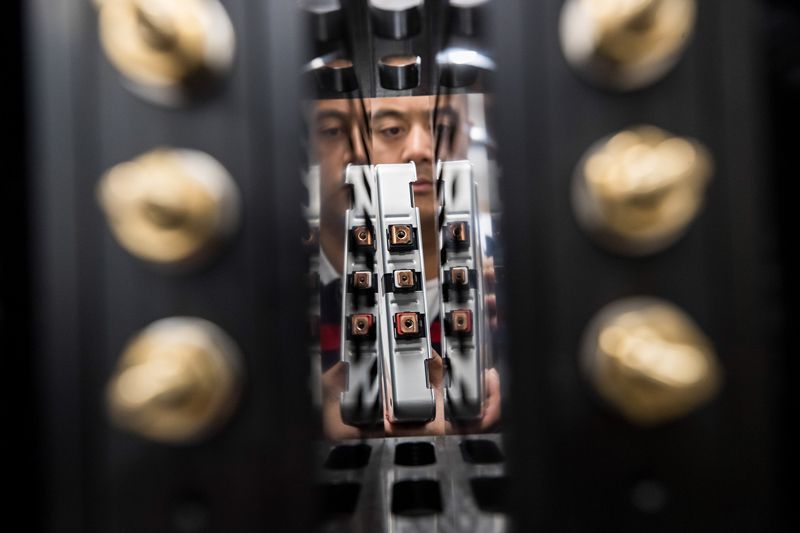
361 325
165 46
637 191
404 279
459 276
407 324
400 234
362 236
169 206
625 44
362 279
650 360
177 380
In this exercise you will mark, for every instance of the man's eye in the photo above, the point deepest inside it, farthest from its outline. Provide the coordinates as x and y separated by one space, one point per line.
392 132
330 133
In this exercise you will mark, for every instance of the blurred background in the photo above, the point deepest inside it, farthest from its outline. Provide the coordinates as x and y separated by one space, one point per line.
634 163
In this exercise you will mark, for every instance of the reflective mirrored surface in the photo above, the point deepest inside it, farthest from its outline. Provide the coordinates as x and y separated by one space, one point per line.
403 217
444 141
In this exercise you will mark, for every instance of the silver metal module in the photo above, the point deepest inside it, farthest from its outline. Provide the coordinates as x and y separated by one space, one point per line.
406 352
461 302
360 403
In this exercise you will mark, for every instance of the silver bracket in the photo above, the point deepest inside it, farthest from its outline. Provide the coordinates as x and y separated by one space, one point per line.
361 402
406 338
462 292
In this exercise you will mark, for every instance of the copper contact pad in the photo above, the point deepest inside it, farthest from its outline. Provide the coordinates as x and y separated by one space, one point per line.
362 237
404 280
362 280
362 325
401 237
457 235
459 276
460 322
407 325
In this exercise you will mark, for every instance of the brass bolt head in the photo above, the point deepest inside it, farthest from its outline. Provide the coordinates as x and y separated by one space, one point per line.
637 191
164 46
649 359
176 381
625 44
169 207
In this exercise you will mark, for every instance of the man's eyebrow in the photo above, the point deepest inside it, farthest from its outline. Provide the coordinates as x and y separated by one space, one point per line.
445 110
383 113
330 113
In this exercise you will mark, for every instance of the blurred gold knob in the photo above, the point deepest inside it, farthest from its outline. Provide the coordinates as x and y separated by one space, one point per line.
637 191
164 46
647 358
176 381
625 44
169 206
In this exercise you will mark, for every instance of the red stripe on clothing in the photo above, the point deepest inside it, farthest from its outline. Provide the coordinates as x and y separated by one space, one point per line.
330 337
436 331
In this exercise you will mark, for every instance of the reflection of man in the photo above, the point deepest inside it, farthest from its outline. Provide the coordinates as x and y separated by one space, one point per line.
402 131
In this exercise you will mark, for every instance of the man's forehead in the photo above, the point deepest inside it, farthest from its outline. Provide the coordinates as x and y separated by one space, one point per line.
404 103
398 104
417 104
344 105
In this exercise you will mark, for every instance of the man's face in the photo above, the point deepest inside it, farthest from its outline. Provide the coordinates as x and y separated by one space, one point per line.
402 131
337 140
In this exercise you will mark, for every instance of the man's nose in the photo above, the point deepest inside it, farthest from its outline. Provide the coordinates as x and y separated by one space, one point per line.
419 145
358 147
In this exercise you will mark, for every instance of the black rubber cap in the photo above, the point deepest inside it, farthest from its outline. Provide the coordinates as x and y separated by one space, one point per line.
325 19
326 26
399 23
456 76
399 73
338 76
468 17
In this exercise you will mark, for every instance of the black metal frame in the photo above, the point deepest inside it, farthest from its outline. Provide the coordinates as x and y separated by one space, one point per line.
575 462
91 295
